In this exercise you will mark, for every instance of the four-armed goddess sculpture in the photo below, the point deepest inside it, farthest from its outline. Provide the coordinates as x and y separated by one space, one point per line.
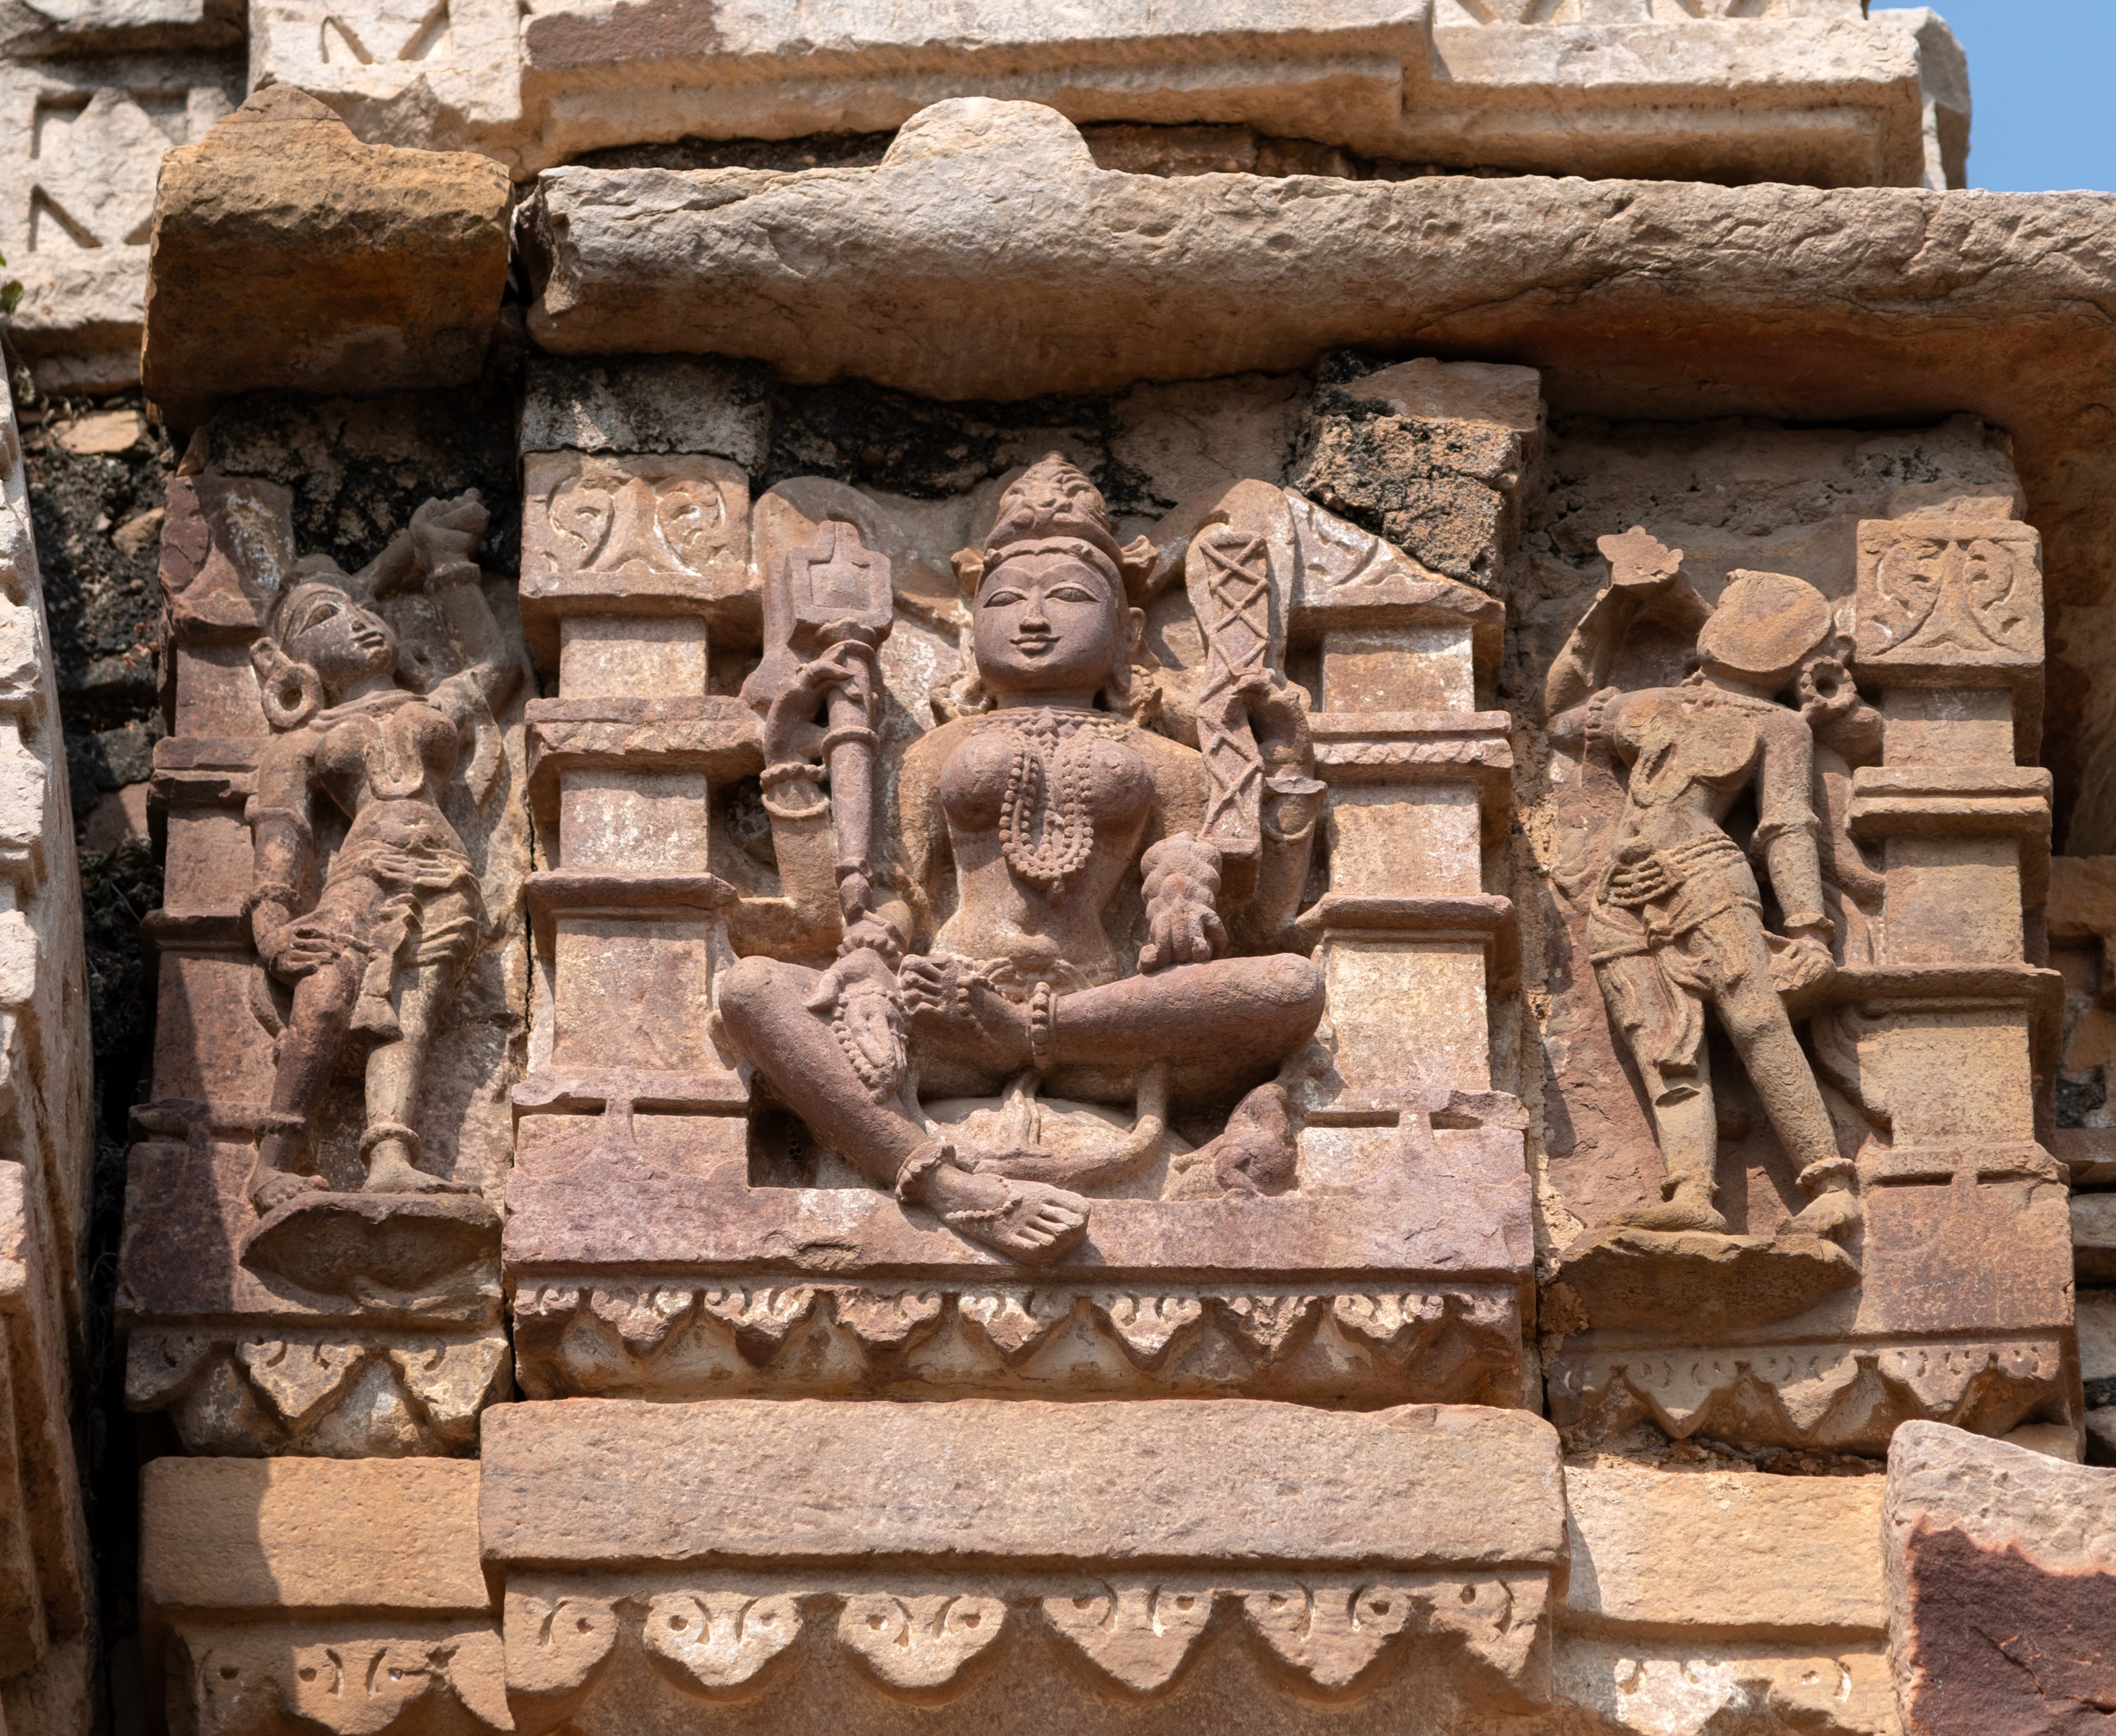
1051 907
1677 924
378 952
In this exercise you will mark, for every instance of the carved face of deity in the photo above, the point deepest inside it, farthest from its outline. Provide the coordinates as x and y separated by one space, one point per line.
343 642
1050 624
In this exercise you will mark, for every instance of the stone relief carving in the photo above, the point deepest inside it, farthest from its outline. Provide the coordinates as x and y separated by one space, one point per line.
1942 592
1486 1635
378 951
1453 1344
1010 852
417 1678
285 1389
988 964
1834 1397
1676 927
311 1263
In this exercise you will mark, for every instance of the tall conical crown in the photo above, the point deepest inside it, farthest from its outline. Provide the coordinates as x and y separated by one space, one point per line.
1051 501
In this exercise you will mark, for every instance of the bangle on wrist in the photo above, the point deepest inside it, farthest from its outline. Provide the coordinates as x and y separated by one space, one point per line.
272 892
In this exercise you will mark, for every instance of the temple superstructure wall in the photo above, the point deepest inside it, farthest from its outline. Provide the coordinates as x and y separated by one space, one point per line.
1028 874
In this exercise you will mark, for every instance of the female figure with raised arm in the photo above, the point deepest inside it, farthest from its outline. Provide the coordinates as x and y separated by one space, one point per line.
378 952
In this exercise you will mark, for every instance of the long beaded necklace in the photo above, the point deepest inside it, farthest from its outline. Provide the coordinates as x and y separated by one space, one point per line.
1046 829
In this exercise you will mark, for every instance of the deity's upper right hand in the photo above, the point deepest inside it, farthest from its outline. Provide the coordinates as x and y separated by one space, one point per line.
791 730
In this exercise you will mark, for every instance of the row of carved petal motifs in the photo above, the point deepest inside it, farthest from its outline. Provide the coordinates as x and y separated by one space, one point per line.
1149 1325
1137 1634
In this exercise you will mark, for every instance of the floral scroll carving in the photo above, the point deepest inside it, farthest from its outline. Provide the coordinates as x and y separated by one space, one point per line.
1940 593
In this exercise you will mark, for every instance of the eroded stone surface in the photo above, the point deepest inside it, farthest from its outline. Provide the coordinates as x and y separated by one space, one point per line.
1826 94
46 1575
1591 274
1399 1591
1787 1553
288 254
295 1594
1339 1488
80 143
1974 1526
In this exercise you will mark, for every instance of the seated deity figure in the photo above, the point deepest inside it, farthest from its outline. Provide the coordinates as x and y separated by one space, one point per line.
375 956
1049 907
1677 924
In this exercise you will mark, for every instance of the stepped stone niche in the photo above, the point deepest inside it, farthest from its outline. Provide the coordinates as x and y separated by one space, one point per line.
1034 875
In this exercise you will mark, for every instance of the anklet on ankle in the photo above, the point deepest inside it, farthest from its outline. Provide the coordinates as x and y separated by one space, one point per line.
922 1162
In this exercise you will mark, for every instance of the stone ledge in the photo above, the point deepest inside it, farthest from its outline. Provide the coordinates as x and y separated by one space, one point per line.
589 1482
1636 298
288 254
1837 100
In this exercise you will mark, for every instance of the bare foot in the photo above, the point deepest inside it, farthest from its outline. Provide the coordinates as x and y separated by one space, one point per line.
272 1190
1025 1221
389 1172
1832 1215
1688 1208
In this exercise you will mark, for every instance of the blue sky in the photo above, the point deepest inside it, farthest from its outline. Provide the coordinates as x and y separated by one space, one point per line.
2038 72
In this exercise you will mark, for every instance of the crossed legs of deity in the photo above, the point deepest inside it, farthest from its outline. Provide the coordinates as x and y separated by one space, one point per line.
1213 1018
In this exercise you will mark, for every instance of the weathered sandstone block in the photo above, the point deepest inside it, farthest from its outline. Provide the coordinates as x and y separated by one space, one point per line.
1802 93
2001 1583
288 253
1702 1600
81 143
288 1595
947 1553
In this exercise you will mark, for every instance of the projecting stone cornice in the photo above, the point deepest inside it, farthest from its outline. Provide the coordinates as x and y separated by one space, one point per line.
988 257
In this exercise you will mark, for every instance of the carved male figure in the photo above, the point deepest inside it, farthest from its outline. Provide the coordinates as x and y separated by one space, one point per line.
1017 838
1676 926
381 947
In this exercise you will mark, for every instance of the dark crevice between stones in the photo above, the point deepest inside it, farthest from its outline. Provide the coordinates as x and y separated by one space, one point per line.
876 438
97 518
1123 147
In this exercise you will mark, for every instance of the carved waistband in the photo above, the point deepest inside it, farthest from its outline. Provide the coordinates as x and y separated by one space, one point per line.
1666 872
